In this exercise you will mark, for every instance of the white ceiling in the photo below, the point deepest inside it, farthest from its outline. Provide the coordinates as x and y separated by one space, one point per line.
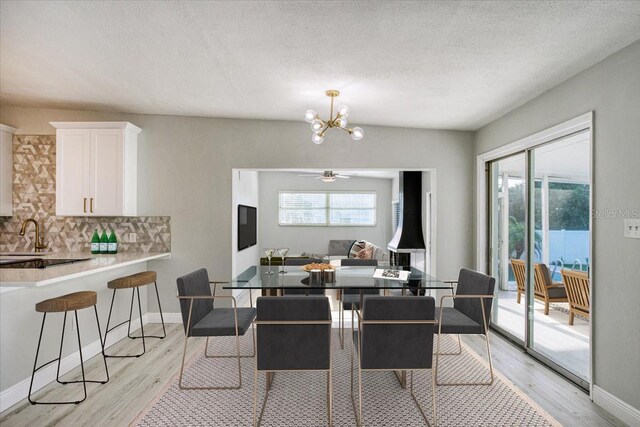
453 65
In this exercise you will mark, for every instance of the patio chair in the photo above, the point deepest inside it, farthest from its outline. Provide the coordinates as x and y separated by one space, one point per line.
351 297
202 319
394 333
545 289
470 315
577 285
293 333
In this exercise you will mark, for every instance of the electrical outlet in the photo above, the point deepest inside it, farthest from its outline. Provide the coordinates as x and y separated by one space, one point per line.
632 228
133 237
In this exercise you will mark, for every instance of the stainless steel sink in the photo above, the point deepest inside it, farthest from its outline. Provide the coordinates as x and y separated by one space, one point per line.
29 254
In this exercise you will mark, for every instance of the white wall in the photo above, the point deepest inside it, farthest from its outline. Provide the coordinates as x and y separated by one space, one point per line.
185 164
611 89
316 239
245 192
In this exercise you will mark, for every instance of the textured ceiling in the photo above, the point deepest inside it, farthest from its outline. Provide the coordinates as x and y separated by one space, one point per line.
453 65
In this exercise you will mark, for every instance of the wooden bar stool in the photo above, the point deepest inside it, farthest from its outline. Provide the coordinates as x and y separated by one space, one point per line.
134 282
70 302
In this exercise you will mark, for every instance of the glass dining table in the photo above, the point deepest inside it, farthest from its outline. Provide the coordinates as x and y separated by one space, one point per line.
275 280
281 278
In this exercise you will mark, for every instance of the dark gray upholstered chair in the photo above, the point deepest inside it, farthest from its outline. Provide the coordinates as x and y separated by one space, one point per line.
394 333
293 333
351 297
470 314
301 262
201 318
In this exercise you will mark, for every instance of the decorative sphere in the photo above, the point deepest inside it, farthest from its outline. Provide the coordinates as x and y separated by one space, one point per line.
343 110
317 125
357 133
309 116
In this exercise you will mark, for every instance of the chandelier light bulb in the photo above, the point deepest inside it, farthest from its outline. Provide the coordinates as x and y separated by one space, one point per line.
357 133
316 125
309 116
317 138
343 110
342 122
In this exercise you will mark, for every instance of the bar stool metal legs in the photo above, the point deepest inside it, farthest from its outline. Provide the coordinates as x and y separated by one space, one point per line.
84 381
134 282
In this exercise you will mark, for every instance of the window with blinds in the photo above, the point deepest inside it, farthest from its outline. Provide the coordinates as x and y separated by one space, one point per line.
327 208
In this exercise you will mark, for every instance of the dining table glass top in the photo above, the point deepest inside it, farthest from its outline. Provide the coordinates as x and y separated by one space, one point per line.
351 277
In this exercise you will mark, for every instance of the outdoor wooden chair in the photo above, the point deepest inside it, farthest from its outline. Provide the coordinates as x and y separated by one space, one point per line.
577 285
545 290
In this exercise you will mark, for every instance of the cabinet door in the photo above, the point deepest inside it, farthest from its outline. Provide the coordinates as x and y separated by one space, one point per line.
72 172
106 172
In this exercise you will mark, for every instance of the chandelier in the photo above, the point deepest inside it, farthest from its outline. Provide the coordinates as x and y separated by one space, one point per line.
319 126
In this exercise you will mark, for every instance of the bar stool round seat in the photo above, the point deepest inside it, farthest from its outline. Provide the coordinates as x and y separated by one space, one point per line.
63 304
134 282
69 302
139 279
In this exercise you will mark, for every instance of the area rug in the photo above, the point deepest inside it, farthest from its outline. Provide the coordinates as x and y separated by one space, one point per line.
298 398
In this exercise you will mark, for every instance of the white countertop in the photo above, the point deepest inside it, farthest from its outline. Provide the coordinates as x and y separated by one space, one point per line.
33 277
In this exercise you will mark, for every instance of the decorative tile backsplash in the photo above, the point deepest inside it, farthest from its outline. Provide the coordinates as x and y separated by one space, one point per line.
34 196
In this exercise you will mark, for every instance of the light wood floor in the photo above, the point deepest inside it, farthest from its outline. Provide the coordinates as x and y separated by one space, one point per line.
134 383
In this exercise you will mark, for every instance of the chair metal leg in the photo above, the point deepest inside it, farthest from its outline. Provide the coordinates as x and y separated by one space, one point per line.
144 349
455 353
330 398
164 331
222 356
341 324
433 398
104 359
486 335
184 355
36 368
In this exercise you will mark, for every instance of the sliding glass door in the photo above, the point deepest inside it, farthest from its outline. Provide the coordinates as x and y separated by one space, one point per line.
539 226
508 242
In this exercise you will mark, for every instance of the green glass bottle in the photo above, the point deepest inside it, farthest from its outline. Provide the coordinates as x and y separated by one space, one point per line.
95 242
104 243
113 243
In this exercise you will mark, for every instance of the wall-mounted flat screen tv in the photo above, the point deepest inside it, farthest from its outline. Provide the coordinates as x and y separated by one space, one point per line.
247 227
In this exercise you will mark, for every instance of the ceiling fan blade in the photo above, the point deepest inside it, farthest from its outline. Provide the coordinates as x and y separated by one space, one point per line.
314 174
342 176
319 177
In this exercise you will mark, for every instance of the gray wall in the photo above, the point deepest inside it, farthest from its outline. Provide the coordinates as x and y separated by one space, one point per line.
611 89
316 239
245 192
185 163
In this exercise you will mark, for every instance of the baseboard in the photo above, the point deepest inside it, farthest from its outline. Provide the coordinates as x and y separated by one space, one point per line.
168 317
615 406
43 377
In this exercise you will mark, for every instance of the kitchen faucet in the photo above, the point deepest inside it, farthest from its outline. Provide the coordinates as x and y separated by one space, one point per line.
38 244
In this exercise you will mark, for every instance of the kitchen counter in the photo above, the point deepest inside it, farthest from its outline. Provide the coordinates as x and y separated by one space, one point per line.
35 277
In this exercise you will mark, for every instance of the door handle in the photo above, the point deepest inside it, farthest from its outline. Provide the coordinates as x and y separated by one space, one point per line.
91 205
84 205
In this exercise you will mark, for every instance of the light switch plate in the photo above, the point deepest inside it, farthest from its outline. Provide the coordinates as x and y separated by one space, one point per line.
632 228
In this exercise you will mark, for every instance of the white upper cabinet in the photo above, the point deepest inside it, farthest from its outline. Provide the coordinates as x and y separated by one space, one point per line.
96 168
6 170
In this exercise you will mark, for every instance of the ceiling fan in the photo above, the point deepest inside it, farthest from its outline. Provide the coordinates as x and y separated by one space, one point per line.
326 176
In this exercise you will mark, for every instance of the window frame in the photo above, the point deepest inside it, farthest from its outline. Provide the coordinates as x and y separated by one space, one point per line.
328 208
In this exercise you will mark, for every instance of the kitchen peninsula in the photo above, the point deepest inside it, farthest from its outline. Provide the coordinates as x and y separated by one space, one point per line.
22 288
